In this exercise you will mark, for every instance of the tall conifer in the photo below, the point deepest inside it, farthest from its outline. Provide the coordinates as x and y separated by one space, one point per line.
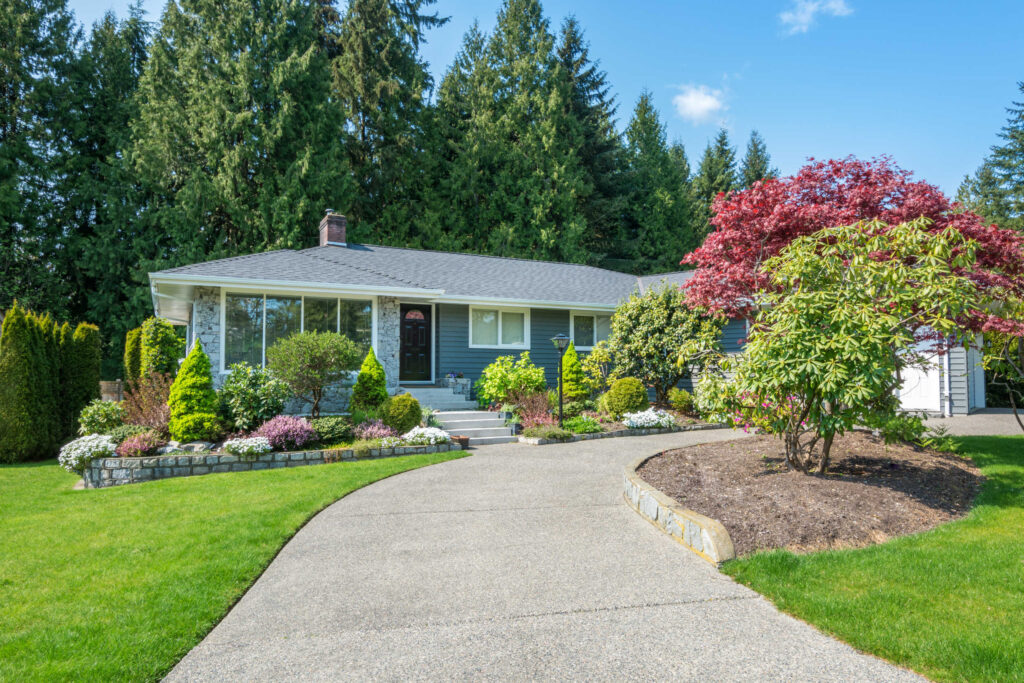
716 173
757 163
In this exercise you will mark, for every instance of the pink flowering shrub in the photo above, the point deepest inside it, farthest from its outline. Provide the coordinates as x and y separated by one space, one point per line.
373 429
139 445
286 433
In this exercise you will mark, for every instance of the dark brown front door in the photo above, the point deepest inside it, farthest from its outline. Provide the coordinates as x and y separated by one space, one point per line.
415 346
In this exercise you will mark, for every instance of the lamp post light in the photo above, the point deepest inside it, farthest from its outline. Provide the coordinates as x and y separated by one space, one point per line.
561 343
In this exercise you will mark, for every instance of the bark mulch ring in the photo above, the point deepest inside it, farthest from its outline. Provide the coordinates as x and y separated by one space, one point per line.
872 492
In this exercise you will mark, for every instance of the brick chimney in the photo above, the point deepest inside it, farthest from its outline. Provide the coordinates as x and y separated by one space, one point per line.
332 229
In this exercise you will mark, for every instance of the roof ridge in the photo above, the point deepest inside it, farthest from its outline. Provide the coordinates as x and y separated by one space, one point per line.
390 276
239 257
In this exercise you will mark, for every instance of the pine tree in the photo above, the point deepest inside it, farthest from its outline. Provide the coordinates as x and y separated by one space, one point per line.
757 163
659 224
716 173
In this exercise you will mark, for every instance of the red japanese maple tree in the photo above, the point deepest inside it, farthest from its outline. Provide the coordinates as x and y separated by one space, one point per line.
755 224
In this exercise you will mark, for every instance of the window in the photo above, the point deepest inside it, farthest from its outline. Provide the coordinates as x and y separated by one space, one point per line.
253 322
590 328
499 328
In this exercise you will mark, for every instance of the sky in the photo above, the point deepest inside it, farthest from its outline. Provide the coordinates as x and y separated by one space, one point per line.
925 82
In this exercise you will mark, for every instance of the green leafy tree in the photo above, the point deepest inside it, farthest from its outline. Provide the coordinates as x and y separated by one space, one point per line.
716 173
133 355
1004 358
371 388
756 164
661 340
193 401
573 381
161 347
310 362
828 349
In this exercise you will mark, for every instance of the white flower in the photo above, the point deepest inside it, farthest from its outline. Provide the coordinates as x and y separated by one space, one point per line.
248 447
648 419
425 436
391 441
76 455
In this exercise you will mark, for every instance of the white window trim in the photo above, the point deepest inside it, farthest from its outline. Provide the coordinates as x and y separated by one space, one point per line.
525 346
302 314
585 314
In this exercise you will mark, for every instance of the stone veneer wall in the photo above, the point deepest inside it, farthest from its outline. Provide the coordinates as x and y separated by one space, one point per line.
389 336
206 326
105 472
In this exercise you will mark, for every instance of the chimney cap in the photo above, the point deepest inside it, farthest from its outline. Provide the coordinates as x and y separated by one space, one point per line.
328 212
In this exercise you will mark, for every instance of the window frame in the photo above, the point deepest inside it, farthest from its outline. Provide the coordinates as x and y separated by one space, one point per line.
301 295
500 310
587 314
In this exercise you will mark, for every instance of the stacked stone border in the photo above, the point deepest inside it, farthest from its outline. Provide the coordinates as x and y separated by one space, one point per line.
537 441
703 535
105 472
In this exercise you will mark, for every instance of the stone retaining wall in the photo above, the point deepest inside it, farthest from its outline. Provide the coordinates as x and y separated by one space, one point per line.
703 535
105 472
536 441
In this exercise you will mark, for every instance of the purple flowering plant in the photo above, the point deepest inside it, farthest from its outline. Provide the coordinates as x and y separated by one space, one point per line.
286 433
139 445
373 429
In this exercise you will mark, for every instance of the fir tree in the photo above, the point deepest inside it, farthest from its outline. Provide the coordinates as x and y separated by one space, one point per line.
716 173
757 163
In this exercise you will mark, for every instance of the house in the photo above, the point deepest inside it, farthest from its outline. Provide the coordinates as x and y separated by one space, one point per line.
425 313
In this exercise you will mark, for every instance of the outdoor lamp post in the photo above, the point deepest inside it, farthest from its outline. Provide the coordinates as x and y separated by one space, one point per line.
561 343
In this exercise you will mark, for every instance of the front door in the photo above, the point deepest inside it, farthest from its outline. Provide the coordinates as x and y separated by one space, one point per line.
415 346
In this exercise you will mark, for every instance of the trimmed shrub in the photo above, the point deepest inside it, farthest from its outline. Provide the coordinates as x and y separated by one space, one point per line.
681 400
251 396
23 416
146 403
287 433
100 417
140 445
192 400
553 432
627 395
582 424
507 376
372 430
371 389
80 369
133 355
332 430
573 380
401 413
309 362
119 434
76 455
161 347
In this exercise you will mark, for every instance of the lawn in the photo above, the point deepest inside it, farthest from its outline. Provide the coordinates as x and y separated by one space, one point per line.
947 603
120 583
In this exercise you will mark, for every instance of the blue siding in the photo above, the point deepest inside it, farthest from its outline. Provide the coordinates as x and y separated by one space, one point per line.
734 332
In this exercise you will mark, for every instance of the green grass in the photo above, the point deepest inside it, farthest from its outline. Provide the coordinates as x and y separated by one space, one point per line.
119 583
948 603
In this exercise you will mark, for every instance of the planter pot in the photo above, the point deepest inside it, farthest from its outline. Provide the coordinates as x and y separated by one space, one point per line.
463 441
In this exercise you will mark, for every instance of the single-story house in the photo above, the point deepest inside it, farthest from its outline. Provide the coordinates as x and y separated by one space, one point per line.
430 313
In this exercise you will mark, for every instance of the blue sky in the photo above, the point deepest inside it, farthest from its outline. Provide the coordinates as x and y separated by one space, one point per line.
925 82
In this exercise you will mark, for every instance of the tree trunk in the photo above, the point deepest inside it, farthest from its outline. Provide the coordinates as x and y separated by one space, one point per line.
826 449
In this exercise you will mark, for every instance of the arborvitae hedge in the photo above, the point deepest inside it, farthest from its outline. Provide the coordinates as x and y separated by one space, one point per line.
20 369
83 377
371 389
161 348
193 401
132 355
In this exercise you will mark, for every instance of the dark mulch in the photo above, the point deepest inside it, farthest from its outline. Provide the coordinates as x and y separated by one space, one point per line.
872 492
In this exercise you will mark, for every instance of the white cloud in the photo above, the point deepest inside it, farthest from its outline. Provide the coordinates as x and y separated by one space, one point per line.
698 103
801 15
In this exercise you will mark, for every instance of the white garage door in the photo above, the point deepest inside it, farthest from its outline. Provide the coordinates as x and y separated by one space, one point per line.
922 389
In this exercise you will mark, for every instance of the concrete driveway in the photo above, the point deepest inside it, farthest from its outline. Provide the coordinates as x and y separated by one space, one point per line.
519 562
986 422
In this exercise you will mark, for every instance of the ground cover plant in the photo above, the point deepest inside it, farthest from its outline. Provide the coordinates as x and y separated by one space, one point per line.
119 583
946 603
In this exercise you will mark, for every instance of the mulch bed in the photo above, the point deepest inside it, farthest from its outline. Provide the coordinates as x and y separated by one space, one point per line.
872 492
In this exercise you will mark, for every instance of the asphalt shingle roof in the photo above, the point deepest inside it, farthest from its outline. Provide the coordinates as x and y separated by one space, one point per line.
457 274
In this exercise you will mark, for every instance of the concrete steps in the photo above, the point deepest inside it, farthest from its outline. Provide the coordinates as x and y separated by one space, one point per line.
441 398
482 427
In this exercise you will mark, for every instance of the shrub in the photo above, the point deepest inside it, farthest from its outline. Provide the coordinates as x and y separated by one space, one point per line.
581 424
76 455
309 362
649 419
287 433
552 432
681 400
507 376
119 434
140 445
371 389
373 429
627 395
133 356
359 416
425 436
362 447
573 387
429 418
251 396
81 355
597 368
192 400
532 408
332 430
901 428
574 408
248 447
401 412
146 405
100 417
26 400
161 347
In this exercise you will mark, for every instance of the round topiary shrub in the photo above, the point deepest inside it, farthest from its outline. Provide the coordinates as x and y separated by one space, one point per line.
332 430
371 389
192 400
402 413
627 395
680 399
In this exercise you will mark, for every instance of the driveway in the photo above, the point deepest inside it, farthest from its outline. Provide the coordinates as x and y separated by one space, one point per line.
519 562
986 422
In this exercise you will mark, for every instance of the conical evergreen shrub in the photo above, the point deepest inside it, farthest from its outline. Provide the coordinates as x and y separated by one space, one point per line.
371 389
193 401
82 376
22 368
132 355
573 388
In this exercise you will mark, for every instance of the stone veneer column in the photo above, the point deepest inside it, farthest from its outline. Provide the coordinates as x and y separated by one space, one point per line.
388 338
207 326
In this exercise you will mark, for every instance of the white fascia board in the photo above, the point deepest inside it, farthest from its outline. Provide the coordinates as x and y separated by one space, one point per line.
523 303
289 285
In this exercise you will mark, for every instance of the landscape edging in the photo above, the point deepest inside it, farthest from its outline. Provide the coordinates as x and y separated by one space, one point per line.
704 536
104 472
537 441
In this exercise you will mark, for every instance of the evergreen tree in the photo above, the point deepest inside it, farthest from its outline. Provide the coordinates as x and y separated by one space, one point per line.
659 224
600 152
996 191
757 164
237 138
573 385
716 173
382 85
81 354
193 401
